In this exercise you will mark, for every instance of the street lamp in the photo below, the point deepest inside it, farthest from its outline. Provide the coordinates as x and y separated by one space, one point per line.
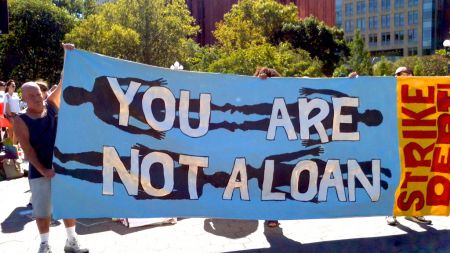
447 53
176 66
447 46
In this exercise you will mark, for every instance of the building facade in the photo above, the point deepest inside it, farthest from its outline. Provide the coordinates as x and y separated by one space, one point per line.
395 28
209 12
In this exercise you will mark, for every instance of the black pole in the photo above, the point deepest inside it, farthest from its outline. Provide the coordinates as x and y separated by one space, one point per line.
4 17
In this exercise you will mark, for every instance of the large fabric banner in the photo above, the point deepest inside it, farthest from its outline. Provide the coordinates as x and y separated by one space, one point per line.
141 141
424 130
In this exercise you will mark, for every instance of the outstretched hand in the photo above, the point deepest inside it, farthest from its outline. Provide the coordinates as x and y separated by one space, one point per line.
306 91
68 46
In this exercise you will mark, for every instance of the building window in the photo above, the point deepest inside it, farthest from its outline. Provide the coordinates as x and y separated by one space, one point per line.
339 19
373 23
349 26
385 38
361 7
373 39
412 3
412 35
399 37
372 6
385 21
349 9
413 17
412 51
361 24
385 5
399 19
399 4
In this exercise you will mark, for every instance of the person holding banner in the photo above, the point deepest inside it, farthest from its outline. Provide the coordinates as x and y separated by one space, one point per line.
36 131
264 73
392 220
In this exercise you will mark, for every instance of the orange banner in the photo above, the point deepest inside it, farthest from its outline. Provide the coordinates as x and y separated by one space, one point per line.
423 106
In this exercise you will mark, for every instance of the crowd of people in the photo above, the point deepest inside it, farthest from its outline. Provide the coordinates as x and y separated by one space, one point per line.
32 124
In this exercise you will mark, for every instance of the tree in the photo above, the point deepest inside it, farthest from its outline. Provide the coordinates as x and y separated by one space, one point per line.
359 60
434 65
287 61
341 71
33 49
78 8
383 68
163 28
430 65
96 34
321 41
253 22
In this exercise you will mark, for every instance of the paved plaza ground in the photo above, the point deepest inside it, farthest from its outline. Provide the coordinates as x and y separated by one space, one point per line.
368 235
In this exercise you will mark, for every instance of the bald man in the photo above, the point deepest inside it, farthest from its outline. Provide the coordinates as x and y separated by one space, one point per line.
36 132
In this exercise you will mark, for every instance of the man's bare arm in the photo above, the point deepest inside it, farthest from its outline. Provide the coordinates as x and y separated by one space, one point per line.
21 131
55 97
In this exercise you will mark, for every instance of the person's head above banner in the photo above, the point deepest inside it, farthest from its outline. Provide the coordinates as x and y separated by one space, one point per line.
403 71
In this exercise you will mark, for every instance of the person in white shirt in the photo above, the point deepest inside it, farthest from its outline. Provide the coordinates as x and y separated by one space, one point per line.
11 106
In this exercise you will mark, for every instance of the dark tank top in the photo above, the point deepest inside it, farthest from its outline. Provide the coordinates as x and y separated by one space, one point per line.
42 132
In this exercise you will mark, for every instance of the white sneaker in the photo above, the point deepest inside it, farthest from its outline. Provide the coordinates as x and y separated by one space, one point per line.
171 221
391 220
44 248
73 246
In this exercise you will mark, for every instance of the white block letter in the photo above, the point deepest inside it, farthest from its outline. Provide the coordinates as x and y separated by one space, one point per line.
124 99
194 163
130 179
338 119
279 106
301 166
355 171
267 193
169 104
204 114
166 161
239 168
332 169
305 108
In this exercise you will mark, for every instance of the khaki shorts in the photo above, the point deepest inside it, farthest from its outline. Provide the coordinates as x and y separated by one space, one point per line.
41 198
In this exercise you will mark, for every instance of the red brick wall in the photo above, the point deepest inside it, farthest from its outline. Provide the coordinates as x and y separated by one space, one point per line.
208 12
324 10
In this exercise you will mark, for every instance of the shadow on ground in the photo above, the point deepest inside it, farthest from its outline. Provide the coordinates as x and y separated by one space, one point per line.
232 229
17 220
432 240
92 226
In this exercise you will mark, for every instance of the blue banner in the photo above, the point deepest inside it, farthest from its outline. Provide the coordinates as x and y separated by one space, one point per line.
142 141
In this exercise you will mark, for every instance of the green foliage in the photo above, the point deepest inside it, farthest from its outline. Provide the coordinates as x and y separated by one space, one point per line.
383 68
430 65
287 61
418 69
321 41
341 71
78 8
98 35
359 59
32 49
163 27
434 65
409 62
253 22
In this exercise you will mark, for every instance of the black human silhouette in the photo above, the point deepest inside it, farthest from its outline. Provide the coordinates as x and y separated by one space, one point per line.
219 179
106 107
368 117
